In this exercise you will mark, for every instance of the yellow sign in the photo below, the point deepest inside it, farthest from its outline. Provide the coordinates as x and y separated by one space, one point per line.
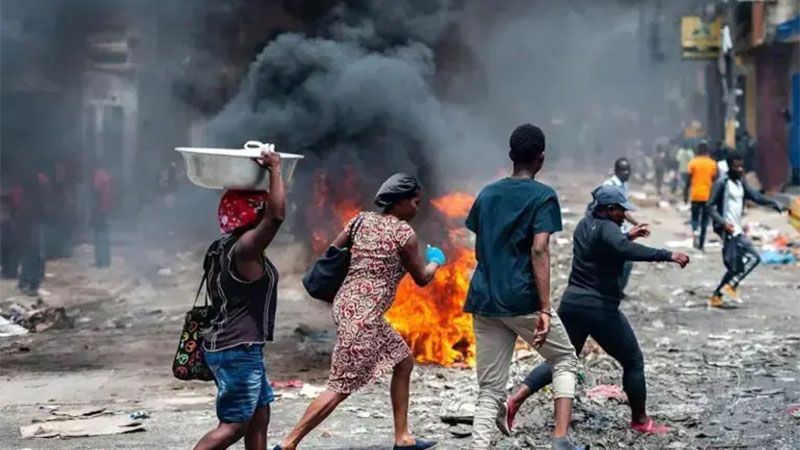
700 39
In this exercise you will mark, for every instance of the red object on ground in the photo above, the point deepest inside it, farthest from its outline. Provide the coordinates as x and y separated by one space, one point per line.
649 427
781 241
285 384
612 391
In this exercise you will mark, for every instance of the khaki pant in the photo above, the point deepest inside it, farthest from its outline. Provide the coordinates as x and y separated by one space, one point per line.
495 339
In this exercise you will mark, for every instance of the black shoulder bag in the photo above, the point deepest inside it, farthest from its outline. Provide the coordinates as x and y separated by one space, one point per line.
327 274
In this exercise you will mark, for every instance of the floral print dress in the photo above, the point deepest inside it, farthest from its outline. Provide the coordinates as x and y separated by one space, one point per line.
366 345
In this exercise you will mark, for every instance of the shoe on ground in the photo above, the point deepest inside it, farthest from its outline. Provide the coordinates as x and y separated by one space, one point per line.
502 420
419 445
729 293
649 427
718 302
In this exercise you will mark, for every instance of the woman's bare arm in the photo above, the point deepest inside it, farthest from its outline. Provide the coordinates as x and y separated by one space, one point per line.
413 261
250 247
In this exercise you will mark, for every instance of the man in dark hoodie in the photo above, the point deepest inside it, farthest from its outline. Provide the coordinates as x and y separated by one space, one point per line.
590 305
725 207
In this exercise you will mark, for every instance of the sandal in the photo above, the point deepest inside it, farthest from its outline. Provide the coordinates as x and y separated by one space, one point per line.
419 445
649 427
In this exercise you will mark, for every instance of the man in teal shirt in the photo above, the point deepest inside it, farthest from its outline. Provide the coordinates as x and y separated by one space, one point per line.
509 295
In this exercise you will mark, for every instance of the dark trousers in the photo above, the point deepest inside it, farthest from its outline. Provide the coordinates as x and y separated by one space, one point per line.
612 331
659 179
747 252
32 260
684 182
699 223
9 251
102 243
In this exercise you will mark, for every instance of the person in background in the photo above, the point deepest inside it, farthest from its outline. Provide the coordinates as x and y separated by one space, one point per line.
243 285
726 206
101 208
622 173
702 172
721 156
660 166
684 156
384 247
590 305
9 231
509 294
31 222
59 213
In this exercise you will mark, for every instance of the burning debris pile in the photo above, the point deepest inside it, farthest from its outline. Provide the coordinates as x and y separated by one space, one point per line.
432 319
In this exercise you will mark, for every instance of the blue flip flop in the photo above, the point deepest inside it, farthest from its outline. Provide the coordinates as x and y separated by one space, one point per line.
419 445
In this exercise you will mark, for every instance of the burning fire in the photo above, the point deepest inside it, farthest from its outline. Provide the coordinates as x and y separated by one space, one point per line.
432 319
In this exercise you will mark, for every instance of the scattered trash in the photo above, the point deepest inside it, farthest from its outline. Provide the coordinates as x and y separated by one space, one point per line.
165 272
603 392
562 241
793 410
36 319
94 426
663 204
456 412
80 412
774 257
286 384
9 328
461 431
139 415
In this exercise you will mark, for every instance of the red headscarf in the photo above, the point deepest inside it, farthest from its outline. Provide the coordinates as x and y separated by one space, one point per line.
240 208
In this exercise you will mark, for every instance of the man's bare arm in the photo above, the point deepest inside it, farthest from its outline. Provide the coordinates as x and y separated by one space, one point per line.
540 258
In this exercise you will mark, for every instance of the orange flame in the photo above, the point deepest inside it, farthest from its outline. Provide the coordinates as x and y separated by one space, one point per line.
432 319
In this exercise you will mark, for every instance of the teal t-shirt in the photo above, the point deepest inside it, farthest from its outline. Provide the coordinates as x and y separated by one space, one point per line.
504 218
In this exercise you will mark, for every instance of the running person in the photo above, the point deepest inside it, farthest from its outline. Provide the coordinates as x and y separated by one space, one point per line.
590 305
725 207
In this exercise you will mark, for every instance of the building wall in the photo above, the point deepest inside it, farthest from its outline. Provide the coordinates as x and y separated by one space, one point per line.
772 84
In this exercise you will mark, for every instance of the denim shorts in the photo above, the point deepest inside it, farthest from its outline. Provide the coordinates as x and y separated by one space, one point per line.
241 379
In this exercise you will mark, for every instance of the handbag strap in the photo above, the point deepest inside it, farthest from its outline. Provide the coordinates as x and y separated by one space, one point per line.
354 229
213 250
200 288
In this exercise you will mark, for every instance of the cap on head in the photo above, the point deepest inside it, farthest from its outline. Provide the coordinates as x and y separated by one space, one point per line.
527 143
607 194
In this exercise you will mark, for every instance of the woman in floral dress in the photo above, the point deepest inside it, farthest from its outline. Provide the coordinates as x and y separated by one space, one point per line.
384 248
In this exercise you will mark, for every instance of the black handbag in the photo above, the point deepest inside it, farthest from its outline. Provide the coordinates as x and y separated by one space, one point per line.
327 274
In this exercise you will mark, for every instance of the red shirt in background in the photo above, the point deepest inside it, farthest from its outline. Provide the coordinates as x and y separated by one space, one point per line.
101 182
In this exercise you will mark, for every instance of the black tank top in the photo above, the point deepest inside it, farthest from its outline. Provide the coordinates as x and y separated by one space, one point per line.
244 310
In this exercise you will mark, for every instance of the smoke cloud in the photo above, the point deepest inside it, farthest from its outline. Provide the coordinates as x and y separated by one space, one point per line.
357 90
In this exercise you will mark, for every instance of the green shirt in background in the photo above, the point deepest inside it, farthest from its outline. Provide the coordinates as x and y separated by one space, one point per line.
683 156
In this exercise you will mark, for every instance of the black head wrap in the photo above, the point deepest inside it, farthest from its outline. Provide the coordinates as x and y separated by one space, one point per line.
396 188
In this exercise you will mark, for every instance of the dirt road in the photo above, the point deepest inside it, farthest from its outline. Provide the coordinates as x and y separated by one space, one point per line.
719 379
